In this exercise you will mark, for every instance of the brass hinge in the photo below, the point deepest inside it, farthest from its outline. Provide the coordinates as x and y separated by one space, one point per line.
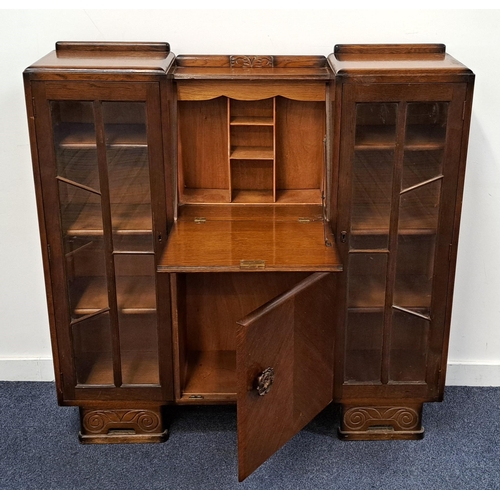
304 220
33 106
252 264
200 220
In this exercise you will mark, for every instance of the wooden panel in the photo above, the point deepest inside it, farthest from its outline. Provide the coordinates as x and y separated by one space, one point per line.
293 335
392 49
300 130
222 299
203 145
203 90
224 61
98 47
106 91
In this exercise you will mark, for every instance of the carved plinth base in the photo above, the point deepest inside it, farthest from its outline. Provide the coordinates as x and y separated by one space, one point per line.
381 422
116 425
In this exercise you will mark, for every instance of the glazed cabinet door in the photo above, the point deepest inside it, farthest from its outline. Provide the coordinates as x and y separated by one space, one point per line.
101 168
399 171
284 368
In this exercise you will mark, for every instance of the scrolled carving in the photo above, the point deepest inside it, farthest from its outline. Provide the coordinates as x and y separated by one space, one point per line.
147 421
102 421
401 418
251 61
95 421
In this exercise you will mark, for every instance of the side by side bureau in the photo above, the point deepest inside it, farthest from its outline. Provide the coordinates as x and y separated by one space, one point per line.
275 232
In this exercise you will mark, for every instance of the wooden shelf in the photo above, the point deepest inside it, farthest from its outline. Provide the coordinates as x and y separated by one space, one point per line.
418 137
83 135
210 374
425 137
221 196
367 294
253 196
138 367
252 153
201 196
91 294
86 220
264 121
299 196
375 137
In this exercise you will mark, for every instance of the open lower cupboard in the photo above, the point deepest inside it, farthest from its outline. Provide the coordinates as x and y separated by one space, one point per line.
275 232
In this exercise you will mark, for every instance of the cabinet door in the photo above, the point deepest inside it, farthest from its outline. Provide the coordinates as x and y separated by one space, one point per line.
284 368
101 168
399 169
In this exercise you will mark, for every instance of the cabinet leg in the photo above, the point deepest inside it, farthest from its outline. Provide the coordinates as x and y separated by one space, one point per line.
370 422
119 425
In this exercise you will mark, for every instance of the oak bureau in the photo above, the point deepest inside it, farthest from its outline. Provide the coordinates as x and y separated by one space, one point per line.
278 232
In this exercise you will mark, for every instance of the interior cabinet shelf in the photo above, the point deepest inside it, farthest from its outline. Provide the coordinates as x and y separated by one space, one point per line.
425 137
83 135
418 137
373 225
368 293
252 153
264 121
299 196
204 196
254 196
137 367
210 376
82 220
137 295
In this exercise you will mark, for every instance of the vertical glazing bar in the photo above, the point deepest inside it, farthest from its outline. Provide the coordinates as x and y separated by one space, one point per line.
108 242
393 240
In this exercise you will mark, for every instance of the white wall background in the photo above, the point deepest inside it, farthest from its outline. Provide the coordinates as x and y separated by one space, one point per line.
472 36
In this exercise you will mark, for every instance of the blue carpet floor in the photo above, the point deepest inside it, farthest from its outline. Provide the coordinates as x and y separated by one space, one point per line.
39 449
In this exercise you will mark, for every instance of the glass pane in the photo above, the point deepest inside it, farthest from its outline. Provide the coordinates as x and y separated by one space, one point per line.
426 125
73 124
83 245
80 211
408 347
414 272
416 247
365 318
128 171
75 142
421 166
419 209
376 125
86 275
372 175
371 198
363 356
367 279
92 350
137 317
